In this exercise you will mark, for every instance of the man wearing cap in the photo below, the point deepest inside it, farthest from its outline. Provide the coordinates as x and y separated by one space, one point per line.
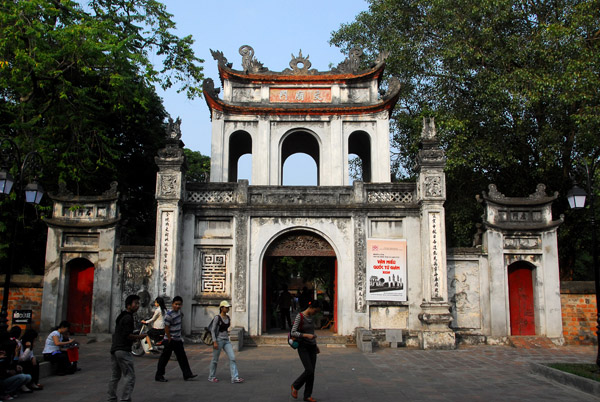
218 329
173 343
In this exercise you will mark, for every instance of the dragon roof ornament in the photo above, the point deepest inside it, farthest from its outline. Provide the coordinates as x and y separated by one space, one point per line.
299 65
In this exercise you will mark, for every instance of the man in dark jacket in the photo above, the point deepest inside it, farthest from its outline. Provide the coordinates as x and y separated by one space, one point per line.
120 351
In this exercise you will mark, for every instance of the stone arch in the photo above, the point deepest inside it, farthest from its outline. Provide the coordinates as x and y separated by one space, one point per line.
240 143
80 292
521 297
359 143
300 141
299 242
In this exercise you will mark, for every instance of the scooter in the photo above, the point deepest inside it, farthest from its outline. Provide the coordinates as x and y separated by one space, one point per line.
140 347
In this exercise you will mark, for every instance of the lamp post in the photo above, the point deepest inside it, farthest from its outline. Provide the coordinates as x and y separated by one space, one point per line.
31 165
576 197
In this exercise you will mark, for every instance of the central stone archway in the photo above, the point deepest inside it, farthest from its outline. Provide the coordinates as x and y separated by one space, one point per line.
302 246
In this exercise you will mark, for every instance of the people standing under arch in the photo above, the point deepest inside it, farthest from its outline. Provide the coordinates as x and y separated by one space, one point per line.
219 330
284 303
304 330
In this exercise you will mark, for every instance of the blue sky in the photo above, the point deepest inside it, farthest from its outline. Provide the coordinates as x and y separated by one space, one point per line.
275 29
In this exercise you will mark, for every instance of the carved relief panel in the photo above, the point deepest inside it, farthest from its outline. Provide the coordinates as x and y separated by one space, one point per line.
138 279
211 273
464 294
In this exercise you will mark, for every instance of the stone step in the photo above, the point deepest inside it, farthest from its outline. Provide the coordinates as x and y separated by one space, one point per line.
279 338
531 342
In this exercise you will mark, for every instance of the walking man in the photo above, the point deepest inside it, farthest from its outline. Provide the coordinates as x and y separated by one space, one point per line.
173 343
120 351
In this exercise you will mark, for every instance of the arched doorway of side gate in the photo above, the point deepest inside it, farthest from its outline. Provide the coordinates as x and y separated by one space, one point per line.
300 261
520 298
81 291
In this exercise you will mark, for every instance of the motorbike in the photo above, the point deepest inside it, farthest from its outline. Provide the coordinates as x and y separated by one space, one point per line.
141 346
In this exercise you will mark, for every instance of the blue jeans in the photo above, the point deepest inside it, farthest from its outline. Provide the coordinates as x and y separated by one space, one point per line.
12 383
226 345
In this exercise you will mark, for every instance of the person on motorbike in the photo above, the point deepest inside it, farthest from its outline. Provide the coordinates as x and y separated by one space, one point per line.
157 321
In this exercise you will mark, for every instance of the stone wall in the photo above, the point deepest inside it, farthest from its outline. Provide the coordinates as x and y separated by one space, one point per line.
25 294
578 300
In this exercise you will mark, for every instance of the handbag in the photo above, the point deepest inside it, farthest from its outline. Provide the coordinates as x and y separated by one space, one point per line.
207 337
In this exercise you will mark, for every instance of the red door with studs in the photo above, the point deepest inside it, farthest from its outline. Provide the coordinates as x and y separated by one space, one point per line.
520 289
81 290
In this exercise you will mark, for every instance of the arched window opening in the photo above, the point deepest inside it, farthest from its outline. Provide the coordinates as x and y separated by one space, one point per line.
300 170
240 143
359 144
244 168
300 148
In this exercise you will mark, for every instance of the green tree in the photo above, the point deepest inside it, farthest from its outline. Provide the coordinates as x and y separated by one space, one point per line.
198 166
77 85
512 85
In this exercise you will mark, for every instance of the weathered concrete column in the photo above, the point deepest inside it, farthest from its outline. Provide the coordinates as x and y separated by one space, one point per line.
431 192
170 191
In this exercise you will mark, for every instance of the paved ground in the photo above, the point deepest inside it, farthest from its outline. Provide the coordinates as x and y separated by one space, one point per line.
482 373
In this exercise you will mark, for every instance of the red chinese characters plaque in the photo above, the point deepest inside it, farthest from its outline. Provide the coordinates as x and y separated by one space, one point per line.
300 95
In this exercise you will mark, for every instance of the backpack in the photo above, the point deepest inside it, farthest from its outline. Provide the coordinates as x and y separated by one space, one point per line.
207 336
293 341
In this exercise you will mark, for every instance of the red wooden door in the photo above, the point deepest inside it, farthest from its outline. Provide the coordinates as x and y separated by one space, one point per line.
81 290
520 289
335 298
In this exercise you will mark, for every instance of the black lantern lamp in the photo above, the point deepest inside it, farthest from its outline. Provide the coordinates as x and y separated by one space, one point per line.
576 197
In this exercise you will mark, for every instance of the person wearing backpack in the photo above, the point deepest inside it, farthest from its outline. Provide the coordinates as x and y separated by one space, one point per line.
304 330
218 329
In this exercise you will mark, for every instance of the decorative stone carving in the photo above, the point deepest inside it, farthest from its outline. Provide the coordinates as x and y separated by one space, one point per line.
168 185
249 62
360 264
112 191
429 131
358 95
430 319
246 94
494 193
385 197
241 269
208 86
433 186
137 277
63 191
210 197
306 244
166 248
464 293
300 65
213 273
392 89
351 64
522 243
220 58
435 260
174 129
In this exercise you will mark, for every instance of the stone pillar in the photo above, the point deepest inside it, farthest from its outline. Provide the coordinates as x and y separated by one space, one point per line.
170 192
431 192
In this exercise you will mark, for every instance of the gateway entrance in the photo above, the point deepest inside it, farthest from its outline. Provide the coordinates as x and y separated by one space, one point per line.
304 264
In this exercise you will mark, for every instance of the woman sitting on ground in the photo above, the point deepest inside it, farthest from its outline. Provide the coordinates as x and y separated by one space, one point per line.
28 361
157 332
54 349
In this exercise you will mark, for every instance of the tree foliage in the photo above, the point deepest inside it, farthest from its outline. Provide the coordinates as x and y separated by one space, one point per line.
198 166
77 85
512 85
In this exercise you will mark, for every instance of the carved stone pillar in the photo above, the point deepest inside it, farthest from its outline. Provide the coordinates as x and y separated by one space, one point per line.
170 191
431 192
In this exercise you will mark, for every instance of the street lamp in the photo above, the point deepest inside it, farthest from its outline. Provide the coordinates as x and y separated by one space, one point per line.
577 197
10 155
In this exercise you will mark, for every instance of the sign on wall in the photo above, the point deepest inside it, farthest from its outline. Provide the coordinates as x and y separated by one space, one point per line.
386 270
